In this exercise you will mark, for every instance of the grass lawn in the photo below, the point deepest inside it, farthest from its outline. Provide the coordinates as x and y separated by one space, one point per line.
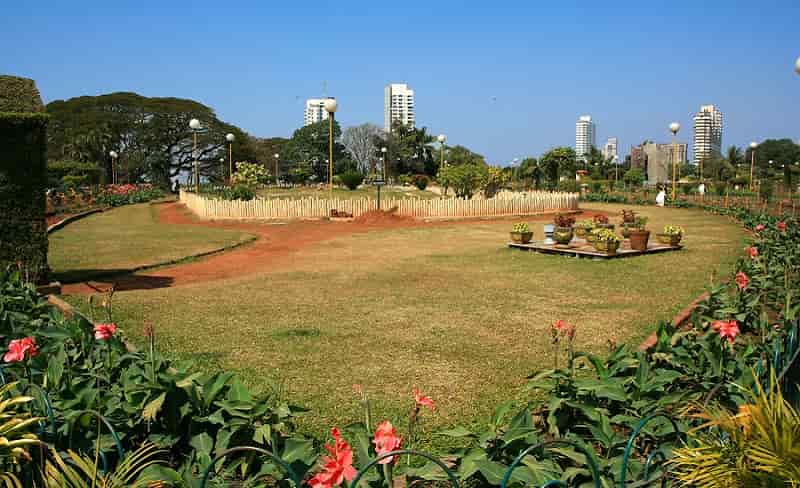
127 237
365 191
447 308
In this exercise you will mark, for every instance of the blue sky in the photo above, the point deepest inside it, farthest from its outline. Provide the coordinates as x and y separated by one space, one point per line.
507 79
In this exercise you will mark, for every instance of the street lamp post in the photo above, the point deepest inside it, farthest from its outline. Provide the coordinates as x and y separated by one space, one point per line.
277 158
230 138
383 163
674 128
753 146
222 169
442 138
114 157
194 125
330 107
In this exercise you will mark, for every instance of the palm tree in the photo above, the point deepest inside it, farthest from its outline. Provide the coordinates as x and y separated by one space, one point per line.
735 156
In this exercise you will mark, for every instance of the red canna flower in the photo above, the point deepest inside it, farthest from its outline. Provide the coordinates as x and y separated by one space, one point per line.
760 227
782 226
386 440
752 251
103 332
728 329
562 327
742 280
559 325
338 466
19 348
423 401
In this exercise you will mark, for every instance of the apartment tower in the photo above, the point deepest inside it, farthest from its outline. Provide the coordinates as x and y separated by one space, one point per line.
398 105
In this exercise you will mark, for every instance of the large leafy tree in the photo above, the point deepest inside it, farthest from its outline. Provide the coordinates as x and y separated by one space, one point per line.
151 135
459 155
308 148
530 172
409 150
785 157
558 162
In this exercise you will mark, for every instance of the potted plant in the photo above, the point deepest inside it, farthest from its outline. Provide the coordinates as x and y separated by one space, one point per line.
638 234
562 233
605 240
672 235
601 222
583 228
628 221
521 233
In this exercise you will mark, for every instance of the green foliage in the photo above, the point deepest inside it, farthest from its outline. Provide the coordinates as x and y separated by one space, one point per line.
19 95
558 162
351 179
673 230
83 471
72 173
309 145
420 181
606 235
117 195
521 227
409 150
464 179
570 186
238 192
250 174
634 177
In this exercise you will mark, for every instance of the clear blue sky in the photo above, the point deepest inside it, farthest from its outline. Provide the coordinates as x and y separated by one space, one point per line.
633 66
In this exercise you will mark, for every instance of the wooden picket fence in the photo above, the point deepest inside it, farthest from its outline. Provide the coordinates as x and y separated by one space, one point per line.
311 208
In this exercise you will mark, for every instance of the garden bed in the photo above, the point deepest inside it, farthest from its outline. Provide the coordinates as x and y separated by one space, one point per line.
582 249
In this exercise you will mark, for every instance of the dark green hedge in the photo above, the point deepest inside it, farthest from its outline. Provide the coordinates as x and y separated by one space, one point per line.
73 173
23 176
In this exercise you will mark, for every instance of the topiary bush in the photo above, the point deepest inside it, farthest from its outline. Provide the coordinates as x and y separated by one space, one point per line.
420 181
239 192
23 176
351 179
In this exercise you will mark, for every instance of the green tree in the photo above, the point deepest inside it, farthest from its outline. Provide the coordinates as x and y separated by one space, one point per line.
409 150
558 162
530 172
460 155
309 146
464 179
634 177
780 151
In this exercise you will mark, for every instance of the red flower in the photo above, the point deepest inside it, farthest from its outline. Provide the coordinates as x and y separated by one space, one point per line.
782 226
742 280
760 227
338 466
386 440
103 332
19 348
561 326
752 251
423 401
728 329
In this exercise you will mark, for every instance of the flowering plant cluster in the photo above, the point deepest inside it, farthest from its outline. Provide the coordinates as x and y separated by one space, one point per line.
673 230
521 227
561 220
116 195
605 235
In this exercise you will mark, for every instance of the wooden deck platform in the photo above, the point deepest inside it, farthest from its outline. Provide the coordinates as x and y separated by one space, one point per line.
582 249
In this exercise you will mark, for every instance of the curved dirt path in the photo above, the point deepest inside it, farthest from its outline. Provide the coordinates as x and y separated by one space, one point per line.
274 244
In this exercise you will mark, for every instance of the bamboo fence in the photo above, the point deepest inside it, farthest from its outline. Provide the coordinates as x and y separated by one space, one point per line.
310 208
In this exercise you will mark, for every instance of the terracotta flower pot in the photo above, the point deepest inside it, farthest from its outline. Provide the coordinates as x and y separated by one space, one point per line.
669 239
639 239
562 235
521 237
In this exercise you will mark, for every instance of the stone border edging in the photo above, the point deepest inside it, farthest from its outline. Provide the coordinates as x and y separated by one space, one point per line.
145 267
72 218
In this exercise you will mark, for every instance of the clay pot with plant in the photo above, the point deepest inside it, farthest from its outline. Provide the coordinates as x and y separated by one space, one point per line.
563 231
639 235
671 236
601 222
583 228
606 241
628 221
521 233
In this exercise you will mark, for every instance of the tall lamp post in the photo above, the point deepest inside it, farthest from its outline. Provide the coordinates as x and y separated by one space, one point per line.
230 138
442 138
753 146
277 158
194 125
114 157
674 128
330 107
383 162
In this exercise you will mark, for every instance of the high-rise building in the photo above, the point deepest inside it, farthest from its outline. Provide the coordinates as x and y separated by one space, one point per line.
707 133
584 135
315 111
610 150
657 159
398 105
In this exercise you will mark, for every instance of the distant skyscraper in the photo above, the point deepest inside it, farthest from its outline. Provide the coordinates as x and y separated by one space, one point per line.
584 135
610 150
398 105
315 111
707 133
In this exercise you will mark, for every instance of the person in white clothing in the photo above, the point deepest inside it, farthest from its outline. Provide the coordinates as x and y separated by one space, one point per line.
701 189
661 198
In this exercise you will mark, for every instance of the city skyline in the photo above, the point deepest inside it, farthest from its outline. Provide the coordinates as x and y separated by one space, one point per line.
483 77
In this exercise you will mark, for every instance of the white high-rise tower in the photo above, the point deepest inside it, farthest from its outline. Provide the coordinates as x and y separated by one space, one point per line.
584 135
398 105
707 133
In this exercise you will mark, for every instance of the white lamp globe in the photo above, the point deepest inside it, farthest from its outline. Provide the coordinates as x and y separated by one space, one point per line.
113 154
797 66
674 127
753 145
383 150
331 105
276 155
194 124
441 138
221 160
230 137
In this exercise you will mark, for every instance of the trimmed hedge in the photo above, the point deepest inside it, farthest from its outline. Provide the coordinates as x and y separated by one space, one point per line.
23 176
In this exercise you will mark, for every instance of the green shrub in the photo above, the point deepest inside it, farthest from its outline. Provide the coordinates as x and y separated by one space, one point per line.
420 181
351 179
571 186
239 192
72 173
250 174
634 177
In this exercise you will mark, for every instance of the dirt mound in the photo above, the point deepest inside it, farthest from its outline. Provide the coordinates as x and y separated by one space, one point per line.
381 216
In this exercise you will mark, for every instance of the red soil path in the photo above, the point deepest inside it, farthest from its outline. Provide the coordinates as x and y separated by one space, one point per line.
275 243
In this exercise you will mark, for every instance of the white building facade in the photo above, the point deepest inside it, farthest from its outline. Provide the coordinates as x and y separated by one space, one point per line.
398 105
315 111
610 150
584 135
707 133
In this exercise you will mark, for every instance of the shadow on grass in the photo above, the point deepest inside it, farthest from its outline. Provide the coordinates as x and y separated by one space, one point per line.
124 279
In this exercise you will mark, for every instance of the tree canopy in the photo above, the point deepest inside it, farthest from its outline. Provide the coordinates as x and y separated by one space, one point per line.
558 162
